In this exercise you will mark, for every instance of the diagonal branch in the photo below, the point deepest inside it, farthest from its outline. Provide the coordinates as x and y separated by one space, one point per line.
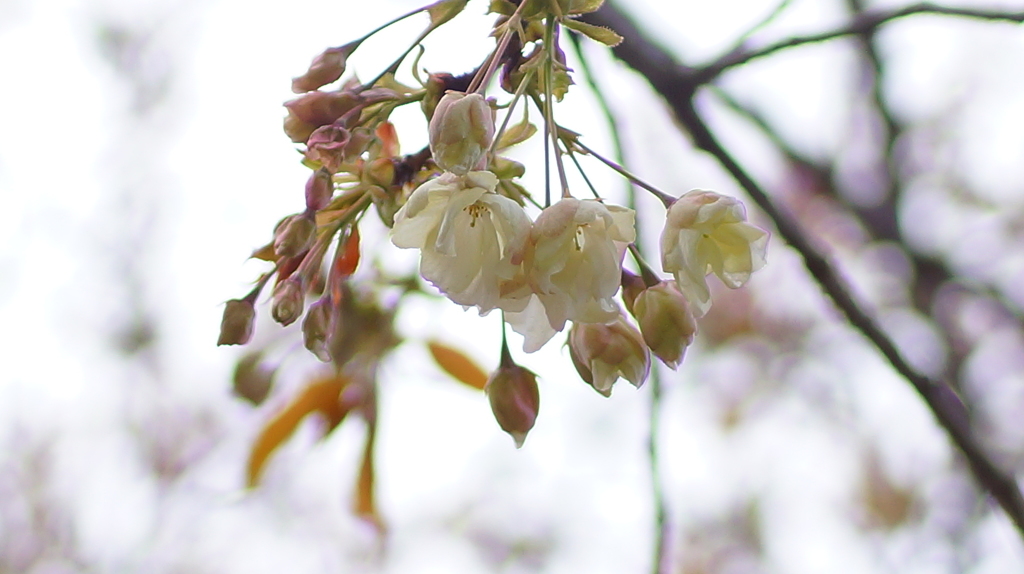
677 84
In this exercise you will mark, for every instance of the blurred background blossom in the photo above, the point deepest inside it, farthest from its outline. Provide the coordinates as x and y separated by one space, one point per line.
787 443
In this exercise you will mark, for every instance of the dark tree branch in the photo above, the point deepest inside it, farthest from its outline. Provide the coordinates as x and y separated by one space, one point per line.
678 84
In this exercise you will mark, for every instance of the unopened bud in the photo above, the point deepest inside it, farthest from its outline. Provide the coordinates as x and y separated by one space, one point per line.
237 324
294 235
287 301
319 190
461 131
252 380
515 400
326 68
326 145
316 328
665 319
358 142
315 109
603 353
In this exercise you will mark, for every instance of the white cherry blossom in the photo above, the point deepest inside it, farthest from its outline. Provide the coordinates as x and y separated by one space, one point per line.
473 240
576 261
708 233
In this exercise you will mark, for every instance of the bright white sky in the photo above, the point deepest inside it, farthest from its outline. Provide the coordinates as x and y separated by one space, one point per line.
215 171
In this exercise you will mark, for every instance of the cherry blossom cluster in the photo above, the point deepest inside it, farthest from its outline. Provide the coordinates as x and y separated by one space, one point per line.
484 242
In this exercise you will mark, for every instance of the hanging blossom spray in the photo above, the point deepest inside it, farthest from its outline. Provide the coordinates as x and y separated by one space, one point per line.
484 241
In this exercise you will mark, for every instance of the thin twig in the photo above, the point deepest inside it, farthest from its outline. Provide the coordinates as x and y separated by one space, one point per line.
863 23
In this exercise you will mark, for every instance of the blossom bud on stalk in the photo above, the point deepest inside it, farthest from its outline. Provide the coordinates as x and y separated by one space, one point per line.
515 399
319 190
327 67
237 324
294 235
603 353
287 301
316 328
461 131
664 317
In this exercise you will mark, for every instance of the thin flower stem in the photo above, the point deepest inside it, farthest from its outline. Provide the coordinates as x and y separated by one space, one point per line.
398 61
551 128
511 107
649 276
609 118
664 197
579 168
484 73
320 247
660 564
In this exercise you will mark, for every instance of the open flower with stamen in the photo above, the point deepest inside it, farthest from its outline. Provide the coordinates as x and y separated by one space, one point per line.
473 240
576 262
708 233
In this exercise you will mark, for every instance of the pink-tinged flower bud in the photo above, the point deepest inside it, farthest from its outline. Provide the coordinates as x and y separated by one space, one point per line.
316 327
665 319
326 145
515 400
315 109
319 190
294 235
237 324
603 353
287 301
326 68
461 131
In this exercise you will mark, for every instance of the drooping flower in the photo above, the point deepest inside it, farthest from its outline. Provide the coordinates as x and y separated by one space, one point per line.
602 353
665 320
576 262
473 240
708 233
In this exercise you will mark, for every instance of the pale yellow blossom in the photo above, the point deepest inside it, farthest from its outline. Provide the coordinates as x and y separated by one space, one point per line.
472 240
708 233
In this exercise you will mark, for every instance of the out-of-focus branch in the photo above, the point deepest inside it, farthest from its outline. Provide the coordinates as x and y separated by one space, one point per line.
863 23
678 84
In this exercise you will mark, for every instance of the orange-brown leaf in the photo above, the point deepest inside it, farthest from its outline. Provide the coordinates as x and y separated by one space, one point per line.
365 503
320 396
458 365
389 138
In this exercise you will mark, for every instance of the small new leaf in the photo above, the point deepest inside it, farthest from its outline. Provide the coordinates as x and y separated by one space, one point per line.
501 7
598 33
517 134
584 6
458 365
445 10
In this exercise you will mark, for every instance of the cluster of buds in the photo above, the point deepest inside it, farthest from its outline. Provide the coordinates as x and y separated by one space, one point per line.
462 205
